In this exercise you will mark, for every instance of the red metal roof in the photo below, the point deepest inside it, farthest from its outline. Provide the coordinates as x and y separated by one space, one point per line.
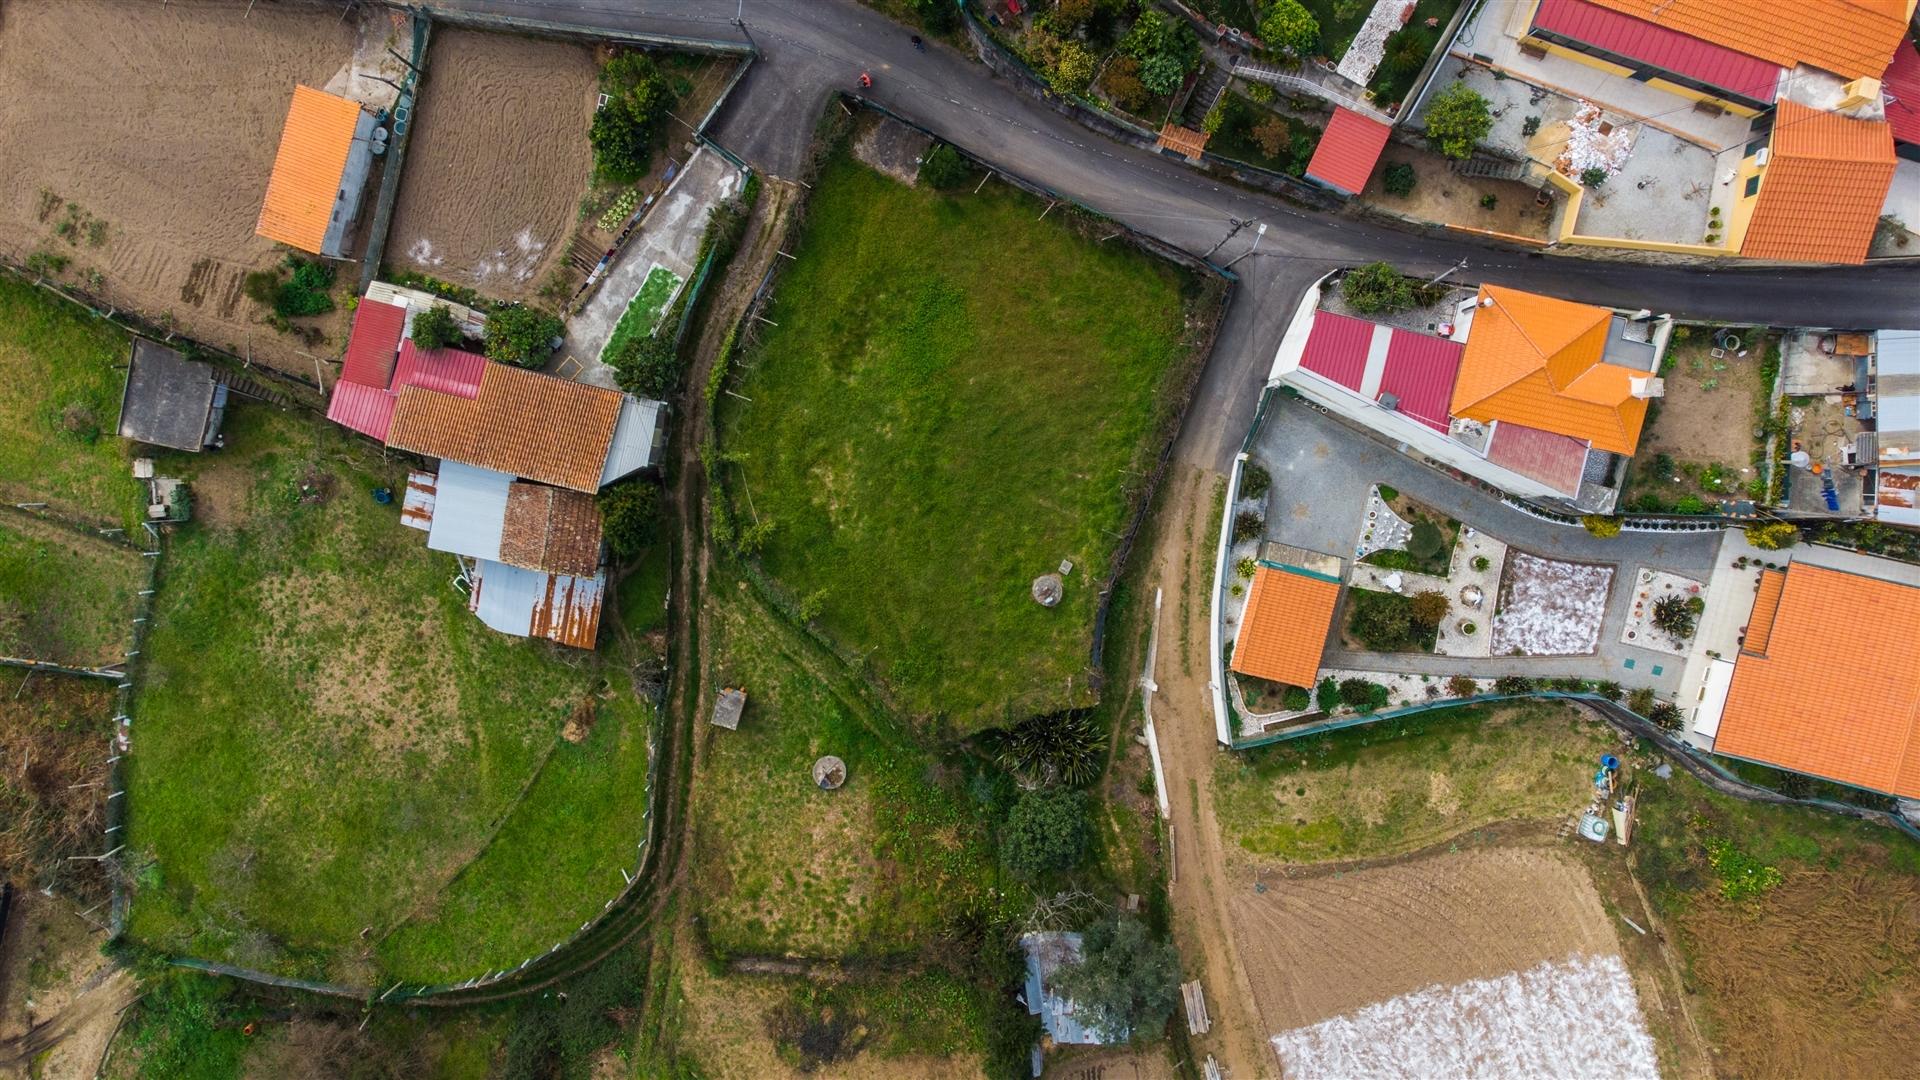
1657 46
1348 150
372 344
446 371
1337 348
1420 370
366 409
1553 459
1902 88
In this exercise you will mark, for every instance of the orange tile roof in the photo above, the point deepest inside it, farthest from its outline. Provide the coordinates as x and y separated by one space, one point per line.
1836 694
1846 37
1826 179
522 423
1766 604
305 184
1285 626
1535 360
1185 141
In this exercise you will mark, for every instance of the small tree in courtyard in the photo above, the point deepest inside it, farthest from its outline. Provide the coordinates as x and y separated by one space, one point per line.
1399 178
648 366
1290 26
630 516
435 328
1457 120
1376 288
1673 616
1126 983
1047 831
1429 608
521 335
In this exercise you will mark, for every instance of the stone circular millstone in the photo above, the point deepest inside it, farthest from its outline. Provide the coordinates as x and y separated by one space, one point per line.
1048 590
829 773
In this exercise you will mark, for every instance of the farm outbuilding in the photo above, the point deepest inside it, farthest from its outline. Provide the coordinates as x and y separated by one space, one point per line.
170 401
728 707
1048 952
319 174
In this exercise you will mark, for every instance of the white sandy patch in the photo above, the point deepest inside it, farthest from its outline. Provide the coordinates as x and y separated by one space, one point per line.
1550 608
1362 58
1570 1019
1589 147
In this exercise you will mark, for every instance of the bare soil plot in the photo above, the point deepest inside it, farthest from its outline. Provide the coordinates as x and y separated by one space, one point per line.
1317 947
1549 607
1698 439
65 596
161 124
497 162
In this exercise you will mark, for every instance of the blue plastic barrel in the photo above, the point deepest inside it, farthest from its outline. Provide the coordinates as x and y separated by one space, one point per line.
1609 762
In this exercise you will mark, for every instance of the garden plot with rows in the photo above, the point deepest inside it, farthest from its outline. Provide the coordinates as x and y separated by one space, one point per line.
1550 608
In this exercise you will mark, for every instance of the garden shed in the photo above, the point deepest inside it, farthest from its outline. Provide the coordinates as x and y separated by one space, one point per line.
728 707
170 401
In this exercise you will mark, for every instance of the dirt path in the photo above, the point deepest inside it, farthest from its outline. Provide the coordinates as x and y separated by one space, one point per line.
75 1039
1183 719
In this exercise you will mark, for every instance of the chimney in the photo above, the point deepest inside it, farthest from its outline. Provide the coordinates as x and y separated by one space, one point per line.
1864 90
1648 386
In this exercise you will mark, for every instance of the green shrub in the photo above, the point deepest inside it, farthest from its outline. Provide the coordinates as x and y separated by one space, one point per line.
1327 695
1609 690
1481 564
435 328
1429 608
1126 982
1363 695
630 516
1593 176
1601 525
305 293
1457 119
1462 686
1742 877
1513 684
1246 568
648 366
521 335
1489 201
1248 526
1641 700
1772 535
1399 179
1387 492
1667 715
1072 69
1254 481
1047 832
1376 288
944 168
1296 699
1166 48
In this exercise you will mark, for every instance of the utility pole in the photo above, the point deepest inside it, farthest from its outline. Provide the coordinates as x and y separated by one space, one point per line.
1461 265
1258 233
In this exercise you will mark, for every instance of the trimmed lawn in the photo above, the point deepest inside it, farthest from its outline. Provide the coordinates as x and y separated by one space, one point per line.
779 866
329 745
61 376
957 398
64 596
1400 785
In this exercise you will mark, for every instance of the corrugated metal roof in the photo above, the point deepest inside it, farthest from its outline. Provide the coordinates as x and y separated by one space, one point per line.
304 188
1901 86
529 603
1554 460
1348 150
1670 50
373 344
1047 952
1337 348
1846 37
365 409
444 371
416 507
633 439
1284 629
521 422
1835 693
1826 179
469 511
1420 372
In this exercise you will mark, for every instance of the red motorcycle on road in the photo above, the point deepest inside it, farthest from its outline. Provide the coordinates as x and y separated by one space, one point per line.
866 81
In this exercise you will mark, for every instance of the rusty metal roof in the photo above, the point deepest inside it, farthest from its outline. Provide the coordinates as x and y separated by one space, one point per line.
561 608
304 188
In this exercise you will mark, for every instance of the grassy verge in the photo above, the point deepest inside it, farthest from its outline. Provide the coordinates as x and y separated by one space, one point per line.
64 596
327 737
1403 784
643 311
928 431
61 374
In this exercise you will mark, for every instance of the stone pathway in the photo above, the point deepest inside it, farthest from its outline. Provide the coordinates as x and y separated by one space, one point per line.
1383 530
1473 592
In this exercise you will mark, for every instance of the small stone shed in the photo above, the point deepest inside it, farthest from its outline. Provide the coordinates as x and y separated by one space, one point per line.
727 708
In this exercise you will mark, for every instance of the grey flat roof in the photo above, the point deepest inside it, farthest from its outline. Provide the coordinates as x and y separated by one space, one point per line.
168 398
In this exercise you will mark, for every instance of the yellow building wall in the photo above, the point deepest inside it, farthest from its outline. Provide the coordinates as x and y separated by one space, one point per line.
1575 193
1694 95
1616 69
1740 215
1579 57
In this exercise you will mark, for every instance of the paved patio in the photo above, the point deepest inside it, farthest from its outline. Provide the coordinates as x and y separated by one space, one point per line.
1322 469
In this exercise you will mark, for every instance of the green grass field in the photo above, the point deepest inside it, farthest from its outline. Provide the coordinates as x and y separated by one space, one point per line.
957 398
872 869
330 746
65 596
1403 784
61 374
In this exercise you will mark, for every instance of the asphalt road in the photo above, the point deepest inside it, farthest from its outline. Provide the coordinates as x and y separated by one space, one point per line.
811 47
